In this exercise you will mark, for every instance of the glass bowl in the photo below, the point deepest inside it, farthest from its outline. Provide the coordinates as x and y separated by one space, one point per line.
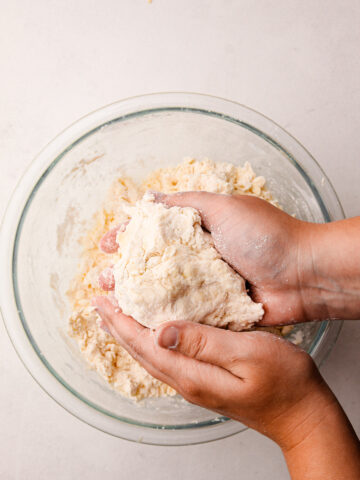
67 183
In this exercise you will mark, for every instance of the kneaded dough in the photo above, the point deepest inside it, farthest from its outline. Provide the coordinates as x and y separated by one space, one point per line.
170 270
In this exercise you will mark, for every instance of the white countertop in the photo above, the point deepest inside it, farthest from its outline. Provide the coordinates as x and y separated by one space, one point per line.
297 62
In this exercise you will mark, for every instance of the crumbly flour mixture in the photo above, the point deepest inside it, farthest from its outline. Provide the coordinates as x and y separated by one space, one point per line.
183 286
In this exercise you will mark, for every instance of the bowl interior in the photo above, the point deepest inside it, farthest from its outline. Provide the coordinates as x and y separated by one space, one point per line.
74 186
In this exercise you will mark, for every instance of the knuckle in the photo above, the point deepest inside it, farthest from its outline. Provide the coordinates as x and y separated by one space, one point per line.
198 345
234 362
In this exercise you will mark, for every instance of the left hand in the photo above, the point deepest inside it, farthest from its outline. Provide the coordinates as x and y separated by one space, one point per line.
262 243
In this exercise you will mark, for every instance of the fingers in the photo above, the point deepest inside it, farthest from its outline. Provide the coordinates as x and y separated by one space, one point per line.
129 334
112 315
209 205
222 348
127 331
193 379
107 280
238 353
108 243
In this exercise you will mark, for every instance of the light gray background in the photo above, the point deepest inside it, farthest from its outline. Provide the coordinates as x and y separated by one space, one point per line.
297 62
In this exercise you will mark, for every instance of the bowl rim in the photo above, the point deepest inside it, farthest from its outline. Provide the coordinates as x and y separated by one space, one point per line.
16 212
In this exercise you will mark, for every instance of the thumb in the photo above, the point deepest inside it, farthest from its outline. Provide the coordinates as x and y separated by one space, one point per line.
202 342
211 206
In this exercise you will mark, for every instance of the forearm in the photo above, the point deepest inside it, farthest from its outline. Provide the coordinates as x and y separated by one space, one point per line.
327 450
331 278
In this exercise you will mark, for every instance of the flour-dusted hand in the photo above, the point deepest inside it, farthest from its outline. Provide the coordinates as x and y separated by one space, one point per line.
299 271
259 241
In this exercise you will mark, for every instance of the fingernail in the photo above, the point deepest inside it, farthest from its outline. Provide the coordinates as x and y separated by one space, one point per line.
168 338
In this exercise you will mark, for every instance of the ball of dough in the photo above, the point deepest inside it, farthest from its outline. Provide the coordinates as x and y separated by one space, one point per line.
168 269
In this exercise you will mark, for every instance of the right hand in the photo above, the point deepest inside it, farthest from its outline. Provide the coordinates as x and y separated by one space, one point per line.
254 377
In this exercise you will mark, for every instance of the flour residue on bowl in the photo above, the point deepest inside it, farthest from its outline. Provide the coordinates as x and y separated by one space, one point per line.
100 349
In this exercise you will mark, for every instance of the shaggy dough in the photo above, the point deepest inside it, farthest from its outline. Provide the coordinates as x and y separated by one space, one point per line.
209 176
169 269
112 361
100 350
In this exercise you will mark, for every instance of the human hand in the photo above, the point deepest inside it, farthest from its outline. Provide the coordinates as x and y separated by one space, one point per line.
258 240
261 242
254 377
299 271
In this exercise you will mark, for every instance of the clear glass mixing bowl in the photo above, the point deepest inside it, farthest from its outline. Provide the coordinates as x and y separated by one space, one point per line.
62 189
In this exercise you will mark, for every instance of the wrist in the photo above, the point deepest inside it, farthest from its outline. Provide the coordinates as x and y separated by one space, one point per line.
302 418
324 445
329 270
312 288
